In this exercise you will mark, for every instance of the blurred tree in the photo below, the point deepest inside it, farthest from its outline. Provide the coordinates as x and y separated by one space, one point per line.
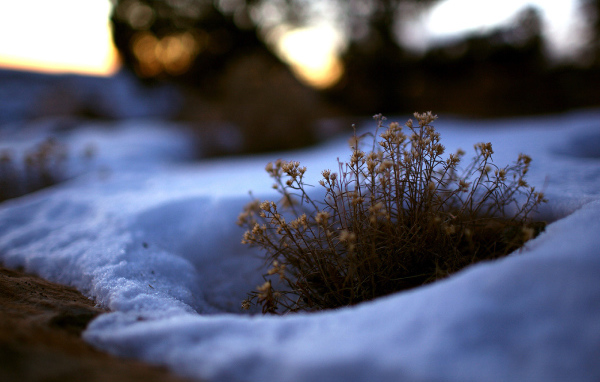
375 60
591 11
213 51
189 39
202 42
224 48
498 72
172 37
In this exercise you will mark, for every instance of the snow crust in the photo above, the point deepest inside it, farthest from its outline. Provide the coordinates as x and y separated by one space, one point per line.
156 243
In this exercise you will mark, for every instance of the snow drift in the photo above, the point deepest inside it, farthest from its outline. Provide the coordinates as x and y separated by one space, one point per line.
156 243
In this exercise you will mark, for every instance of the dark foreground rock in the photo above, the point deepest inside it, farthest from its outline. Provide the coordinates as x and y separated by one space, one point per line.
40 336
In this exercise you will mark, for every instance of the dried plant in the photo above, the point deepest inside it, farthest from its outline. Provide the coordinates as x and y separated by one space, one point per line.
394 217
40 167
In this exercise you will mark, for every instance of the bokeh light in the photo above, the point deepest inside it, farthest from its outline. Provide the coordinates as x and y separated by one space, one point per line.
313 55
452 18
173 53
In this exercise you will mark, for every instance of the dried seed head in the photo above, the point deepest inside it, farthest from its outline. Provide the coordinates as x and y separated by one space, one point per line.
322 218
264 291
266 205
353 142
526 159
357 156
346 236
372 156
450 229
528 233
485 149
540 197
295 224
258 230
425 118
247 238
463 186
377 207
243 218
453 160
501 174
439 149
304 220
277 268
386 164
371 165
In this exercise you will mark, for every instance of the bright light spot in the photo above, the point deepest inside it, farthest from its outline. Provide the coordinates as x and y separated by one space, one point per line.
312 54
173 54
57 36
455 17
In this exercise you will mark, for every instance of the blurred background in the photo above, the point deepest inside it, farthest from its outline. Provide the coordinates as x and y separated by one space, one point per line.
261 75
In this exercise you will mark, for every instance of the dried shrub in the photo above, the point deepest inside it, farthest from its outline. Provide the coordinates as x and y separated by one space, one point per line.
42 166
394 217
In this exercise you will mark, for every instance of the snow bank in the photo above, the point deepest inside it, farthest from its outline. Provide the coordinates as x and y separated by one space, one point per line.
157 244
25 96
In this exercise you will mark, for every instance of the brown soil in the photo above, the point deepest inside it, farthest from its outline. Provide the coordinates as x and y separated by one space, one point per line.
40 336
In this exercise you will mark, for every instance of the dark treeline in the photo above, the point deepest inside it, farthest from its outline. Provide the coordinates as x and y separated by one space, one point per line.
218 51
503 72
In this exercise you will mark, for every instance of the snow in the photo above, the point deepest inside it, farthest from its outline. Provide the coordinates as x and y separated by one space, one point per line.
150 235
28 95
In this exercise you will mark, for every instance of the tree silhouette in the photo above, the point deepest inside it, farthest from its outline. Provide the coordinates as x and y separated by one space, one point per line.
503 71
149 33
591 11
189 39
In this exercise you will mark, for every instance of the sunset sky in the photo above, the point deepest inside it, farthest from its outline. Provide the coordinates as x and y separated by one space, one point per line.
57 36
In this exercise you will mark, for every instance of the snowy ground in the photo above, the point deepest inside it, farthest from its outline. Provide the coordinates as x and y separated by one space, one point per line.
151 235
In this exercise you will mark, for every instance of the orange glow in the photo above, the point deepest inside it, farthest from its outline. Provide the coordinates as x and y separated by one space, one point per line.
312 55
58 36
173 53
